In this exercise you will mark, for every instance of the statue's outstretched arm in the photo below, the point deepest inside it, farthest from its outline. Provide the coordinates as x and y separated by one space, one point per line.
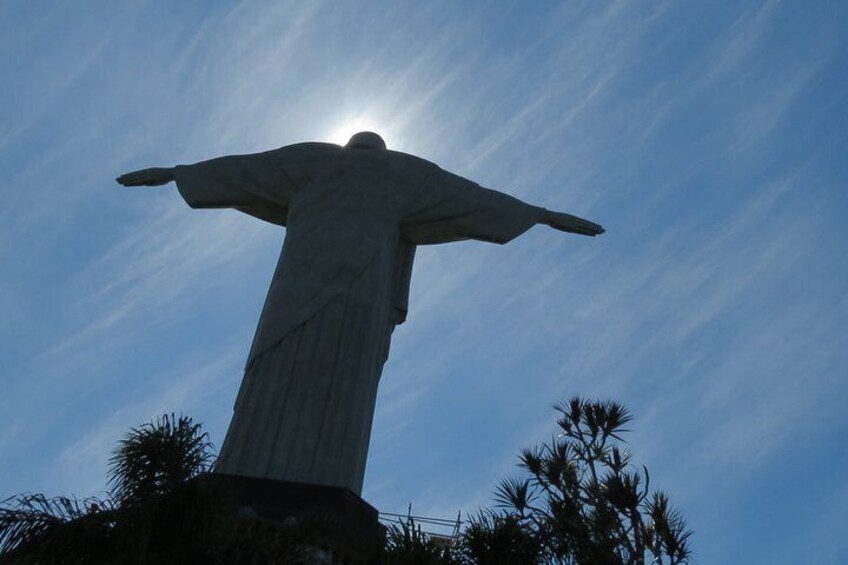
451 208
568 223
156 176
255 184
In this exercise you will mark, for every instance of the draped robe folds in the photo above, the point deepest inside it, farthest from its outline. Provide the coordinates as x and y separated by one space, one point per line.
353 218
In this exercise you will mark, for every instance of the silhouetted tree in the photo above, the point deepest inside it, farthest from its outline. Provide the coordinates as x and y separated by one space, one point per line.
493 538
578 501
406 544
161 510
580 498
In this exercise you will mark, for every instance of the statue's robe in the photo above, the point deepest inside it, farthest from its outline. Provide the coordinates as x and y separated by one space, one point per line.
353 219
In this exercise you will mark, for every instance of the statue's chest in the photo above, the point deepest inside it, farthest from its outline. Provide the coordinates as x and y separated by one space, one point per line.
349 199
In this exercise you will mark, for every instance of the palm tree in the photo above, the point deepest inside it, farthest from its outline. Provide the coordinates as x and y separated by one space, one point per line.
582 500
579 501
162 509
36 529
407 544
493 538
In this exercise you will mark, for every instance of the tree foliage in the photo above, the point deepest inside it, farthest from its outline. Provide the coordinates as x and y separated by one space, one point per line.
158 457
406 544
578 500
160 510
583 501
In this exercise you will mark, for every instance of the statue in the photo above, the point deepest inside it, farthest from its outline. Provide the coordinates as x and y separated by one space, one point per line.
354 216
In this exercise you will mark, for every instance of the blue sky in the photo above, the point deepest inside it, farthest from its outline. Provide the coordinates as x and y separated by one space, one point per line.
707 137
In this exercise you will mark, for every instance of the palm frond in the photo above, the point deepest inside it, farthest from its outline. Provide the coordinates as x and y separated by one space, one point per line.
59 526
670 532
156 457
515 494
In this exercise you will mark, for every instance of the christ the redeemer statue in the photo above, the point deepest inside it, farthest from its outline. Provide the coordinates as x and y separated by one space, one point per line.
353 216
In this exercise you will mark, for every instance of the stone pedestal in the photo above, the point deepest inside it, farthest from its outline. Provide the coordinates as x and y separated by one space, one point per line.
348 526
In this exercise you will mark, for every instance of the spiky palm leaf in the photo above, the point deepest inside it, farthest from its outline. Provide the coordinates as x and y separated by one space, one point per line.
36 529
406 544
161 512
592 508
500 539
157 457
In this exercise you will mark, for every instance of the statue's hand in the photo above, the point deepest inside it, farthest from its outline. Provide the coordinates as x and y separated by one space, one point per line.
571 224
147 177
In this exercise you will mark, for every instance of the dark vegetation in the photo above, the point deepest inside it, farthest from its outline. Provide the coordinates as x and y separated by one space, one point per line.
577 500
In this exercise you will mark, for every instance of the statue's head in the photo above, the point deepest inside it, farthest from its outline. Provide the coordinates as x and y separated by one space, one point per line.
366 140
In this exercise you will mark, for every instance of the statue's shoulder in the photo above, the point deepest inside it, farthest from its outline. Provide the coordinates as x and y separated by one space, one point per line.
316 155
306 157
307 147
412 163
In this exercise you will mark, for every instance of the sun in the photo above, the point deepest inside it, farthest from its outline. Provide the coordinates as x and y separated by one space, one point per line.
343 133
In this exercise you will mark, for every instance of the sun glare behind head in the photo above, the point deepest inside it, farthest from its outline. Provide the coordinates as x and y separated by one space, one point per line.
345 131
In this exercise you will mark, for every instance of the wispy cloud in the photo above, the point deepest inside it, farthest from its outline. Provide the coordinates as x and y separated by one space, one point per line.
182 390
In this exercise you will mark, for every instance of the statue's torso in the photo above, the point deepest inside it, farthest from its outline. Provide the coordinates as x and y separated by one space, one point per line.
343 237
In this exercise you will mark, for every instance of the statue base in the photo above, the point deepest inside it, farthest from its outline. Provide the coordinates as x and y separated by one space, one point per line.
346 525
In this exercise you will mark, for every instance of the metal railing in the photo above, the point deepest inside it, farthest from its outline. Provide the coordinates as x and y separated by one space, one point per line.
439 530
